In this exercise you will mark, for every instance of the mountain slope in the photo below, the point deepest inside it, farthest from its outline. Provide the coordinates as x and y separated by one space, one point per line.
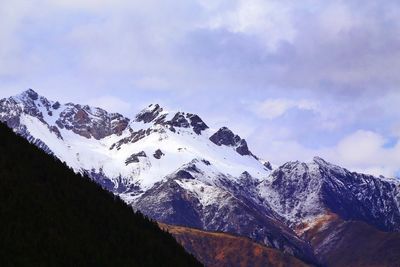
52 217
303 192
220 249
350 219
353 243
194 197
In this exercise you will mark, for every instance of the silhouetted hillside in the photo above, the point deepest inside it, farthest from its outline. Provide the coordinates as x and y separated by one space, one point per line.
49 216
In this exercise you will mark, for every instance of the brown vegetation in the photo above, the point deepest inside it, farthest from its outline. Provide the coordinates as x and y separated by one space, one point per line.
219 249
353 244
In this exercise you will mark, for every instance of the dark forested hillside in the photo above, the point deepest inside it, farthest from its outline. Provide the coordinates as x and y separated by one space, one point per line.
49 216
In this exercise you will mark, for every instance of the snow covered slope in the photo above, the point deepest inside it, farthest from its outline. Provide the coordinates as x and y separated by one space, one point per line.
125 153
303 193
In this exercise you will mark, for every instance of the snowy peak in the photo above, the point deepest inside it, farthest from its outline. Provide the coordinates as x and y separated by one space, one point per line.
91 122
320 161
158 116
85 121
225 137
302 192
120 153
30 93
149 114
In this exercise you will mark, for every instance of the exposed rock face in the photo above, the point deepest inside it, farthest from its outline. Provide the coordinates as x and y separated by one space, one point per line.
134 158
226 137
91 122
149 114
83 120
32 94
268 165
197 123
158 154
134 137
156 114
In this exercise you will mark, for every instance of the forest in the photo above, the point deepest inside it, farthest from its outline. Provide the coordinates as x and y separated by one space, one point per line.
51 216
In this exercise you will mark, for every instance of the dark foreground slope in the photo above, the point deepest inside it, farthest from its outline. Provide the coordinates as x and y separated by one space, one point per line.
225 250
50 216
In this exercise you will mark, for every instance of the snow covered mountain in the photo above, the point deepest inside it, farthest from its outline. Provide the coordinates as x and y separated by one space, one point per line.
169 165
303 193
175 169
125 154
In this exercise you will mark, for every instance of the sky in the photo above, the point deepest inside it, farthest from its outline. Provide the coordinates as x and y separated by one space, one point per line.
295 78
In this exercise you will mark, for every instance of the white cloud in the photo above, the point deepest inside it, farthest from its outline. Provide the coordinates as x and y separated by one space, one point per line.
270 20
366 151
275 108
361 151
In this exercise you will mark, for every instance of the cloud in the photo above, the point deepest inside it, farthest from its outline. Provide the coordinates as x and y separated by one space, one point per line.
275 108
362 151
316 72
257 17
367 151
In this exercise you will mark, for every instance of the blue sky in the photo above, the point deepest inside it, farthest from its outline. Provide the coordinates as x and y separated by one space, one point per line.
295 78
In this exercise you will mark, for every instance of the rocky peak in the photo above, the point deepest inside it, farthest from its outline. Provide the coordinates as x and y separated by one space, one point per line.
83 120
186 120
28 102
226 137
30 93
197 123
320 161
158 116
305 190
149 114
91 122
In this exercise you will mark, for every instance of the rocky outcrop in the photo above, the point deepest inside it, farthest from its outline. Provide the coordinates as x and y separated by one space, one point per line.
226 137
158 154
82 120
134 158
91 122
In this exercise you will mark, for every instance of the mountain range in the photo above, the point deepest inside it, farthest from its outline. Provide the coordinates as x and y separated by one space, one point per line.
175 169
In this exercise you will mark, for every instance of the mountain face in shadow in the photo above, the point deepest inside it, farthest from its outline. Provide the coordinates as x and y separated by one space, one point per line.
51 216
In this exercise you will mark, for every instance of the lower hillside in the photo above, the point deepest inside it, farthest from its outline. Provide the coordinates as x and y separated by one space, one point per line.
52 217
353 243
224 250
